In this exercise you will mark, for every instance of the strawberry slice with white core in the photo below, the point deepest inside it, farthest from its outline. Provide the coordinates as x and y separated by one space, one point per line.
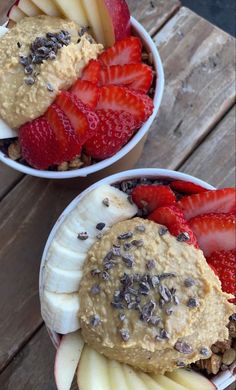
125 51
121 99
136 76
68 143
215 201
92 72
214 232
84 121
87 92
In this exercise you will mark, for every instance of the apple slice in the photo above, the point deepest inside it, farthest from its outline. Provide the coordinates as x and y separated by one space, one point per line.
29 8
92 13
48 7
115 19
149 382
73 10
6 131
67 358
117 376
168 383
191 380
93 371
16 14
133 380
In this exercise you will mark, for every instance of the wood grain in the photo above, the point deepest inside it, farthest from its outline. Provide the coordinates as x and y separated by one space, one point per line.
8 178
153 14
214 159
32 369
27 215
199 67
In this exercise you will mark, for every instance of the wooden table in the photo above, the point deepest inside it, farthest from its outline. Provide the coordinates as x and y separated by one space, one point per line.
194 132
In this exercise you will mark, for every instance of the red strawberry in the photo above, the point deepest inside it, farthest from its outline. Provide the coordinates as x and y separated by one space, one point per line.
186 187
147 101
172 217
224 265
92 72
121 99
38 144
84 121
87 92
116 128
68 143
136 76
125 51
151 197
214 232
216 201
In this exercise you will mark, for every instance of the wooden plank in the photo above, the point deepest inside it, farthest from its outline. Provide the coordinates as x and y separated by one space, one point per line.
27 215
8 178
33 366
214 159
153 14
199 65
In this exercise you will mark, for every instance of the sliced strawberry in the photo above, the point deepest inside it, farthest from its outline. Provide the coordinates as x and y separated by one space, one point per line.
172 217
92 71
121 99
223 264
147 101
186 187
216 201
125 51
150 197
68 143
136 76
84 121
115 130
87 92
38 144
214 232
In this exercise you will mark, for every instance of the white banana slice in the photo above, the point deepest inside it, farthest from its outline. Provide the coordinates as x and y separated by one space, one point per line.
61 281
64 258
66 255
60 311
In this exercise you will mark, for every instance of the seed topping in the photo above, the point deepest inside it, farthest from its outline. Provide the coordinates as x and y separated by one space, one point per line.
83 236
100 226
183 347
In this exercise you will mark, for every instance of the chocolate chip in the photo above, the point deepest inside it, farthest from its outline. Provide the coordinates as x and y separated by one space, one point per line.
182 237
108 265
175 300
117 305
100 226
155 281
150 264
162 231
83 236
165 293
163 335
140 228
125 236
128 260
127 246
189 282
95 272
167 275
29 69
204 351
147 310
183 347
95 289
132 291
105 275
108 256
192 302
106 202
144 288
95 320
124 334
116 251
19 45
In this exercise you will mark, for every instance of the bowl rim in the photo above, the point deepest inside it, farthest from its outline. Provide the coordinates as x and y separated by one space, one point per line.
157 173
84 172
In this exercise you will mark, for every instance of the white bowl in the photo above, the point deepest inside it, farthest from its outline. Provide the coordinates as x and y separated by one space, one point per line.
221 380
84 172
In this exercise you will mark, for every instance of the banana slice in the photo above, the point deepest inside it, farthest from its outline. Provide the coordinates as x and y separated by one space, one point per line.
96 212
61 281
60 311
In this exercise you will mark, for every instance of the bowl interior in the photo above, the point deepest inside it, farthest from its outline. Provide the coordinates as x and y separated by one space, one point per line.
83 172
127 175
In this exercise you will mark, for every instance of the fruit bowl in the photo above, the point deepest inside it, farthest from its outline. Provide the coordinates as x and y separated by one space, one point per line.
223 379
135 145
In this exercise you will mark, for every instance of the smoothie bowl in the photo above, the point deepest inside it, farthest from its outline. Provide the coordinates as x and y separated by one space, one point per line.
79 89
137 284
